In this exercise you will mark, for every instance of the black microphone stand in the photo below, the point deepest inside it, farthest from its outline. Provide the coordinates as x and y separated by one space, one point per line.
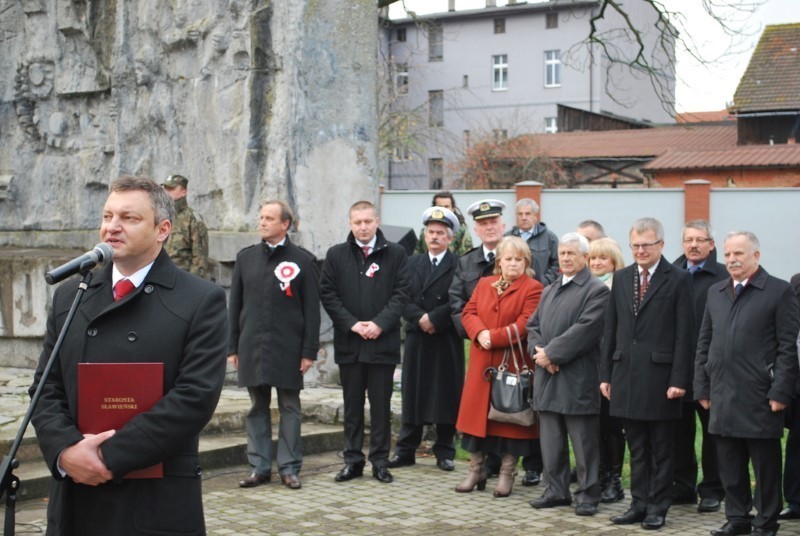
9 482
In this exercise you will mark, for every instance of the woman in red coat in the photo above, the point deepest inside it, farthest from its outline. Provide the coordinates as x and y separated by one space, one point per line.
509 297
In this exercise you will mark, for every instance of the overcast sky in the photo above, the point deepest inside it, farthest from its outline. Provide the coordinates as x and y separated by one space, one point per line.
699 88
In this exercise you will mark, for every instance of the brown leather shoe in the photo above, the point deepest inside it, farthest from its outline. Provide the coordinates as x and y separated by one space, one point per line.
254 480
291 481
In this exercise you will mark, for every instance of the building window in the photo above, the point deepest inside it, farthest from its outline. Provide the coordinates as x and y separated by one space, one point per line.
552 68
499 26
435 43
467 140
401 35
436 108
500 72
551 20
435 173
465 81
500 135
401 78
551 125
401 153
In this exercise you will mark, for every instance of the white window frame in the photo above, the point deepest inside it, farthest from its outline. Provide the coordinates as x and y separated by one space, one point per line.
401 78
436 108
435 43
552 68
550 125
500 72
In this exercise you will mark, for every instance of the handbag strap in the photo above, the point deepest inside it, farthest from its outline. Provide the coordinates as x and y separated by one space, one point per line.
513 353
519 346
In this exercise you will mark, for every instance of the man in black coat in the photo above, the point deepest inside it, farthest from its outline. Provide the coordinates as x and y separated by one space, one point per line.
167 316
433 361
274 326
791 469
700 259
745 374
364 289
646 367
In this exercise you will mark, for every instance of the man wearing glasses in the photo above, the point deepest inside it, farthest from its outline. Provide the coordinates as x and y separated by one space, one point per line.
699 259
645 367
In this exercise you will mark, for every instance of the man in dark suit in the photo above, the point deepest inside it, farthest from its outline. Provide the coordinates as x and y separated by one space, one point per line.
364 289
699 259
745 374
542 241
274 326
433 361
168 316
646 366
564 337
791 469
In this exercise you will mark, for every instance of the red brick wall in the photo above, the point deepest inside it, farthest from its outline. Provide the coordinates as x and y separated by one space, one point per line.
748 178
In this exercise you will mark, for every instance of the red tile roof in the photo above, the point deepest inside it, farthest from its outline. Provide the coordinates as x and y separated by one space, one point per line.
750 156
772 79
705 117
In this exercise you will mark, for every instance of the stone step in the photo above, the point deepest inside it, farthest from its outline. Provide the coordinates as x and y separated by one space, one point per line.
216 451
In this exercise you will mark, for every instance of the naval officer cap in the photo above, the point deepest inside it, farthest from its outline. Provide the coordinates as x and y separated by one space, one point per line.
487 208
175 180
440 215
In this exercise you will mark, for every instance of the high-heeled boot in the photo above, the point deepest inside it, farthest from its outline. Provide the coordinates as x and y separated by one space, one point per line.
476 477
613 491
505 480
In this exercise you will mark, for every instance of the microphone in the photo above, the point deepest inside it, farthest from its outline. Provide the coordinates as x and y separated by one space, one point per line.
101 253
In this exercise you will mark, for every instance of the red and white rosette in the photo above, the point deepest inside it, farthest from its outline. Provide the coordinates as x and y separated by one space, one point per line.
372 269
286 272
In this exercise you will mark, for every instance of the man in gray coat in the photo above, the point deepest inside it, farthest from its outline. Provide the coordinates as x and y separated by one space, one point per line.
542 241
564 337
745 371
274 339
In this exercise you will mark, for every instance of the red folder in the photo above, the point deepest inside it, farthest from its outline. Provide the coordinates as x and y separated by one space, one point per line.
110 394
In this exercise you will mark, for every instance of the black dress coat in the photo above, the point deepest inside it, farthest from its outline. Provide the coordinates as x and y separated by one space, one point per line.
470 267
645 354
351 291
568 324
433 365
747 356
172 317
272 328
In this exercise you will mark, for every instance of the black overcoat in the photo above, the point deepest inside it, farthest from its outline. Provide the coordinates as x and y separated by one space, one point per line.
747 356
356 289
272 328
470 267
172 317
645 354
433 365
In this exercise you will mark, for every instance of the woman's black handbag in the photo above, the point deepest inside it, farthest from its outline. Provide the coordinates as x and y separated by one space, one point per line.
511 393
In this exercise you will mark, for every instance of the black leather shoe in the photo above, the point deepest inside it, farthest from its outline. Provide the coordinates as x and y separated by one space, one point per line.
585 509
731 529
788 513
445 465
531 478
629 518
653 522
349 472
382 474
254 480
708 504
549 502
400 461
764 532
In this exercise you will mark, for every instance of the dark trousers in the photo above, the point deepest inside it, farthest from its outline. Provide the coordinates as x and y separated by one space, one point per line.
259 431
529 463
375 381
765 455
791 469
685 457
650 445
612 441
411 436
582 431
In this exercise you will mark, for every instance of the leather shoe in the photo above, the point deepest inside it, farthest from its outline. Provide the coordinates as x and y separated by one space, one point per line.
708 504
531 478
382 474
549 502
291 481
349 472
585 509
445 464
653 522
788 513
731 529
629 518
764 532
400 461
254 480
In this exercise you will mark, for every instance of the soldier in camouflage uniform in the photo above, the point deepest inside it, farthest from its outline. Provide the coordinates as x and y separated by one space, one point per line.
188 242
462 239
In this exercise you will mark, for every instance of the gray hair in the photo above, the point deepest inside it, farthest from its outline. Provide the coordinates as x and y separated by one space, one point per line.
700 225
529 202
642 225
575 238
162 203
591 223
755 245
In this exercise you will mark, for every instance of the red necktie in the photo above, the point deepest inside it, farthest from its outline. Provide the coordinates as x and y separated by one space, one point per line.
365 249
122 288
643 286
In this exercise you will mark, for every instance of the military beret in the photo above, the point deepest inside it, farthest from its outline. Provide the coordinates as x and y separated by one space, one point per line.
175 180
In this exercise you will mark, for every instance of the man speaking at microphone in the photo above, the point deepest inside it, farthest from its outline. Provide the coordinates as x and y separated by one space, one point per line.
139 308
